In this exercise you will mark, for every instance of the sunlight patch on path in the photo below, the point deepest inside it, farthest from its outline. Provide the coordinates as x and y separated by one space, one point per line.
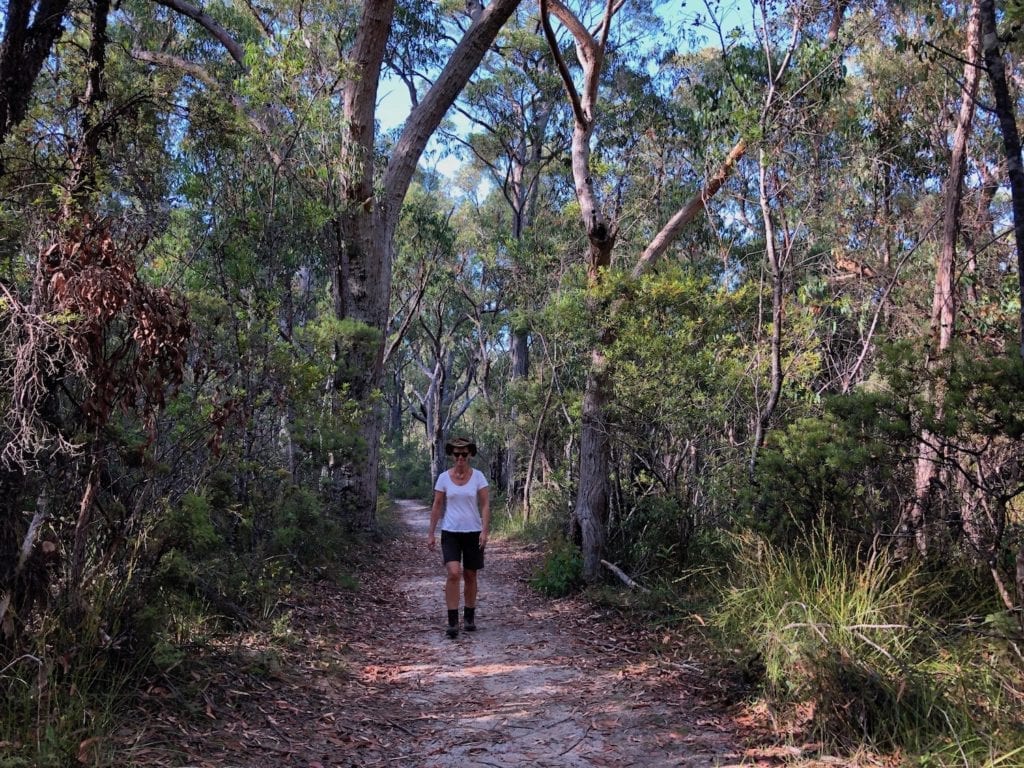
522 691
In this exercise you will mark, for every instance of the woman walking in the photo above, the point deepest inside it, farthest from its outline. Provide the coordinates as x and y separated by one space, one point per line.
462 506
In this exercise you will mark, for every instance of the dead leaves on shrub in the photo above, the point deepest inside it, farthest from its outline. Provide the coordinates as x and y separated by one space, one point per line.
92 327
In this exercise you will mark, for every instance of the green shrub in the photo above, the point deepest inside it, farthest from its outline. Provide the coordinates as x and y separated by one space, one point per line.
654 536
847 637
561 572
407 470
190 525
834 471
301 530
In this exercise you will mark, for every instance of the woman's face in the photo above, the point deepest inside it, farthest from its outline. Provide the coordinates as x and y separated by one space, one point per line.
461 457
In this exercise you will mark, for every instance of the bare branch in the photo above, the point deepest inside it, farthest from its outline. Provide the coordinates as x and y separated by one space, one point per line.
563 70
689 211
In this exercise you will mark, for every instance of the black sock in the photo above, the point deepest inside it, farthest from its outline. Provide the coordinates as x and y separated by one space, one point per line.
453 618
470 614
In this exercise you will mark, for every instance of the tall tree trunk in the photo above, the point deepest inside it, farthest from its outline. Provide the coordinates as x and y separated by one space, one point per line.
1011 141
524 193
23 51
915 517
514 443
437 410
362 250
591 510
775 272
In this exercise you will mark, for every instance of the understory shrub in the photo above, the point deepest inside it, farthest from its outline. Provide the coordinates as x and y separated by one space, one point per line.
836 470
654 536
845 638
546 521
561 573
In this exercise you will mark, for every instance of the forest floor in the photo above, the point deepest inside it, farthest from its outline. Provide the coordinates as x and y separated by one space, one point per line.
366 677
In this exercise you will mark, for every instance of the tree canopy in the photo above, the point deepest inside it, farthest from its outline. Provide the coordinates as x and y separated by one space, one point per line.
702 276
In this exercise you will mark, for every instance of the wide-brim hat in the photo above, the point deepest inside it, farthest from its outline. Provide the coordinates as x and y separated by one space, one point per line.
460 442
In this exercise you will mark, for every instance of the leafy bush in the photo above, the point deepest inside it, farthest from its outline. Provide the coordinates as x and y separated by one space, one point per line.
561 573
835 470
655 535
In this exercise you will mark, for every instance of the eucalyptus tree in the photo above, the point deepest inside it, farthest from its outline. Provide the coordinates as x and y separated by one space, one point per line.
368 190
361 253
513 112
590 29
916 522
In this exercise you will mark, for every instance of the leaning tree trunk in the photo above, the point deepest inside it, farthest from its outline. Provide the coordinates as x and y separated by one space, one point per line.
915 516
362 253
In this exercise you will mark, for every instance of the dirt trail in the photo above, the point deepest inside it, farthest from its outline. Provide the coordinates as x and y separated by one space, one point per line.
369 678
523 690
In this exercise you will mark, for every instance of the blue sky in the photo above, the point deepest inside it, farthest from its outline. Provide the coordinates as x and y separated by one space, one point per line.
680 17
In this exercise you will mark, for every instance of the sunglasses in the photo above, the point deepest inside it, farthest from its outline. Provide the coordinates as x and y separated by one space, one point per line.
460 454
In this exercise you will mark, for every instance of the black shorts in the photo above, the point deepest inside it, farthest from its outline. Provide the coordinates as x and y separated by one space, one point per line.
462 548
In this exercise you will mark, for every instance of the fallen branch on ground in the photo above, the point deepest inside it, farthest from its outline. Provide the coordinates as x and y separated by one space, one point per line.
622 575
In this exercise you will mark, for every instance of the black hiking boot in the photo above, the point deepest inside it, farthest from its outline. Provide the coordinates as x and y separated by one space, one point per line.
452 631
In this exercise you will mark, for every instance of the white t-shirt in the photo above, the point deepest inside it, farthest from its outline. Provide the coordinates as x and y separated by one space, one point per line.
461 514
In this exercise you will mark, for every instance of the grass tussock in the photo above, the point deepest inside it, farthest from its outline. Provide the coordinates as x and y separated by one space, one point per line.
848 640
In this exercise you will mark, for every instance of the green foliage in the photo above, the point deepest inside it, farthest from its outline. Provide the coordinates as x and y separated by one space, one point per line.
655 536
547 518
848 637
190 526
561 573
300 530
408 472
827 470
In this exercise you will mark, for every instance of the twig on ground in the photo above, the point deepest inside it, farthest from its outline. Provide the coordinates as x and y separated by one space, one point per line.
622 575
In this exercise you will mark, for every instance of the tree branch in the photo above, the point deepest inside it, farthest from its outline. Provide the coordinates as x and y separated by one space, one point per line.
210 25
427 116
689 211
199 73
563 70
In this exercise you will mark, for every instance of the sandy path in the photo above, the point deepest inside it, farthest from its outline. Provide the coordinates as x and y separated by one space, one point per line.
523 689
366 677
